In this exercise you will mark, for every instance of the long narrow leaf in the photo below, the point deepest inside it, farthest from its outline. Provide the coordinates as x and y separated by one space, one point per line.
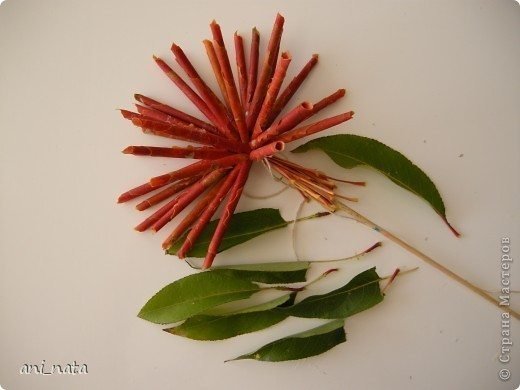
302 345
242 227
193 294
361 293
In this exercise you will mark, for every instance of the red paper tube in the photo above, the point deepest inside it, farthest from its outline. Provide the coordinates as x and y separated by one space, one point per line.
188 196
267 71
212 56
315 127
241 68
288 122
327 101
187 133
211 100
291 89
267 150
148 222
175 113
136 192
160 116
166 193
272 93
253 66
229 82
196 168
227 213
208 213
191 218
185 88
206 153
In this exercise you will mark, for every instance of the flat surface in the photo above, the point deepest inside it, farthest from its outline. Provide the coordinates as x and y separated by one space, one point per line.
436 80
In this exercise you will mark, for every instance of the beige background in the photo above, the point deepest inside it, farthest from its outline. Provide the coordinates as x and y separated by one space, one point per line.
437 80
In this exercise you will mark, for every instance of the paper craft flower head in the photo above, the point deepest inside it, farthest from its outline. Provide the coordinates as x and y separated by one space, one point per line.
244 126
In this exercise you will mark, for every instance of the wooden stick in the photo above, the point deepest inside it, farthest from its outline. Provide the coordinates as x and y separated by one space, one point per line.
188 196
291 89
167 192
190 93
212 56
365 221
272 93
175 113
192 216
253 66
266 151
288 122
204 152
196 168
229 82
241 68
208 213
267 71
211 100
227 213
315 127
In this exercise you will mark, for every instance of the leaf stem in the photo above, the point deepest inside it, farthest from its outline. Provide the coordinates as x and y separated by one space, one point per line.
298 289
452 275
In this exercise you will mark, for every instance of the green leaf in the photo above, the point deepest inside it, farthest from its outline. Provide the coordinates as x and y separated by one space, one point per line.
220 310
193 294
361 293
270 273
208 327
348 151
302 345
242 227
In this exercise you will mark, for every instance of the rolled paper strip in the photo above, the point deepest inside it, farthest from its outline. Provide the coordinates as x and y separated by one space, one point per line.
267 150
190 93
267 71
208 213
291 89
229 82
196 168
160 116
175 113
315 127
212 56
288 122
241 68
189 196
272 93
191 217
227 213
166 193
253 66
136 192
327 101
152 113
152 219
187 133
204 152
211 100
129 114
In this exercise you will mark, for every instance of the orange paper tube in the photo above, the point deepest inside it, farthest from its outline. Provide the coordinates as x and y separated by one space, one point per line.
227 213
272 93
196 168
315 127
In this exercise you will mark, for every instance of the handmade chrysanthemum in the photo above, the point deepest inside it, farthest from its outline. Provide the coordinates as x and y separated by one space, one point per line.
245 126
